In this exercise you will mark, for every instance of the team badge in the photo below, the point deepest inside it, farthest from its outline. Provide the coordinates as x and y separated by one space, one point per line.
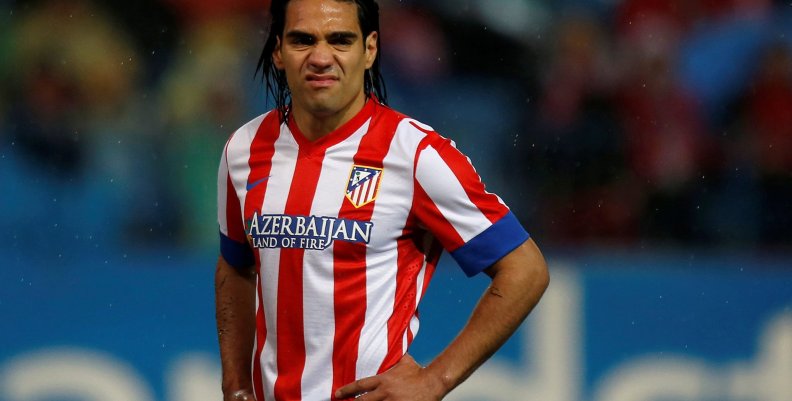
363 185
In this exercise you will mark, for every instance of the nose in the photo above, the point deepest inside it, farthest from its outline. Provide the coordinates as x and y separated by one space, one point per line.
321 57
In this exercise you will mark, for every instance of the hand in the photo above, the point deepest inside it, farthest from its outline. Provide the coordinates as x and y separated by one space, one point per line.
240 395
405 381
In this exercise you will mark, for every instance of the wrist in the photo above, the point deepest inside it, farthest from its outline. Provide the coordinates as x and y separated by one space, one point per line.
237 389
441 382
238 395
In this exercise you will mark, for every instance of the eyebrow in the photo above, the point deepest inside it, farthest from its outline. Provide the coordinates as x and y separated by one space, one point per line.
349 35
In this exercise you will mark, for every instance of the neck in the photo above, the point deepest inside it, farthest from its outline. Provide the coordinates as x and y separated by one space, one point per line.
315 124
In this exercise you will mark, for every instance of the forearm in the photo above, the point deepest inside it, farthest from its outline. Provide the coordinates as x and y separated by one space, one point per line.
235 302
518 283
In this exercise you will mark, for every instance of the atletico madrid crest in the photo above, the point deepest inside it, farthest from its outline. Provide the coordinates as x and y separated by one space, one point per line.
363 185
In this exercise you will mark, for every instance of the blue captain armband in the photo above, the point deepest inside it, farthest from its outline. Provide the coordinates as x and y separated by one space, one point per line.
237 254
490 245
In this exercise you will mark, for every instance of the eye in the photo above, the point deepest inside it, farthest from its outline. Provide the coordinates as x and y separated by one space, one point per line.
341 39
302 40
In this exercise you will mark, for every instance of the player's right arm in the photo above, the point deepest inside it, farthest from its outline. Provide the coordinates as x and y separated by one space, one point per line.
235 303
235 292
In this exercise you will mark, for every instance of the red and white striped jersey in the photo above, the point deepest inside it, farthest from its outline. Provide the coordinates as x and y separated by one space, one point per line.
345 233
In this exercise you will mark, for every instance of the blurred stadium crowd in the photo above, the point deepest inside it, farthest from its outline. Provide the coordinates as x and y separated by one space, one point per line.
631 123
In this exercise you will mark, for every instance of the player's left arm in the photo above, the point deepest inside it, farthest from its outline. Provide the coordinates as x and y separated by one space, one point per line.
518 281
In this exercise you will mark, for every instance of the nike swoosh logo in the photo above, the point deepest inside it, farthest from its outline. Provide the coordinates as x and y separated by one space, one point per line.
252 185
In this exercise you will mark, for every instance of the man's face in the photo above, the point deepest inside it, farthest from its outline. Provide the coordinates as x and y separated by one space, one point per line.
324 55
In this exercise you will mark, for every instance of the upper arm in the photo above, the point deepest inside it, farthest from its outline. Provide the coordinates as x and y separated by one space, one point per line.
525 262
223 266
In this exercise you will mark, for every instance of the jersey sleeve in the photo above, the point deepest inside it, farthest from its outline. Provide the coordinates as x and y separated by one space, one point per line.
233 240
473 225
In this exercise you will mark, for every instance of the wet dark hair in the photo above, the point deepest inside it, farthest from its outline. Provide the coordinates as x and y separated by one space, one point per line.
275 79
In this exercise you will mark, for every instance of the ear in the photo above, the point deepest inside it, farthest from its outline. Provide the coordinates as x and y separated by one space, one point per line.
276 54
371 48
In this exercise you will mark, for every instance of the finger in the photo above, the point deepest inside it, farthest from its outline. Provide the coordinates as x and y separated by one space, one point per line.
357 387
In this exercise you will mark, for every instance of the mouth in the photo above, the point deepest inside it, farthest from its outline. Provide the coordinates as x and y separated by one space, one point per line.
321 80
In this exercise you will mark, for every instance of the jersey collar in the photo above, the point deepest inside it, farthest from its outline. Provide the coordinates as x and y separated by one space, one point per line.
335 137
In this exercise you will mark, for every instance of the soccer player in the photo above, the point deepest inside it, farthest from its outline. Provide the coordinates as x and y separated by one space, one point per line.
333 212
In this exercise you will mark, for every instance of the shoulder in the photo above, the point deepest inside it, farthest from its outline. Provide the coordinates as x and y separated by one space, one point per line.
408 128
247 132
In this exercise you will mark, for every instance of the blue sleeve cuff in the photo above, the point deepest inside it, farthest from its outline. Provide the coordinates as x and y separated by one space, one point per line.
237 254
490 245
